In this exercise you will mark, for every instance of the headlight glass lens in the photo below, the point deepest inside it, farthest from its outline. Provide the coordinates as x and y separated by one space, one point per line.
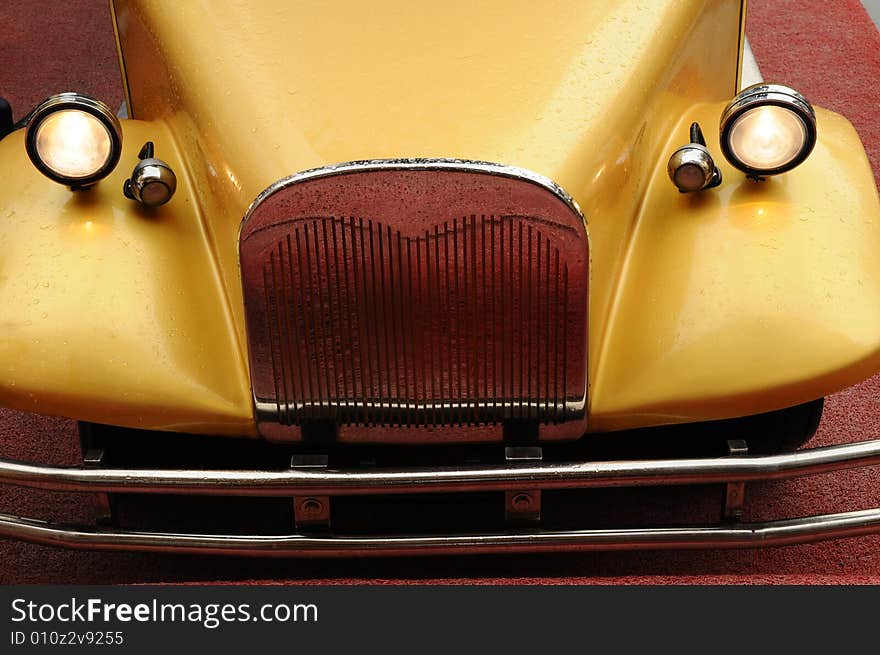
768 137
689 177
73 144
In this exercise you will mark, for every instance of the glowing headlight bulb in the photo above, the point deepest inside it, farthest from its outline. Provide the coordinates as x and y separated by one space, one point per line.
767 138
73 144
73 139
767 129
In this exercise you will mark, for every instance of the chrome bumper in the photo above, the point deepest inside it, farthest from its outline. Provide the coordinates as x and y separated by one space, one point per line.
730 470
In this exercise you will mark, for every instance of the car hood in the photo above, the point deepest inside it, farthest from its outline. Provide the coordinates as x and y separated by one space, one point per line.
275 87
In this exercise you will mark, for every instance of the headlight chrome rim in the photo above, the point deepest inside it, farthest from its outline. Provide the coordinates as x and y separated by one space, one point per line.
86 104
762 95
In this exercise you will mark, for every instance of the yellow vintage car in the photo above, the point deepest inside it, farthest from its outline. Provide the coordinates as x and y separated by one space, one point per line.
339 252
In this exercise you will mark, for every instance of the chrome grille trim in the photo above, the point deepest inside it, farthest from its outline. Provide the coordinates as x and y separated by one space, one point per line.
416 164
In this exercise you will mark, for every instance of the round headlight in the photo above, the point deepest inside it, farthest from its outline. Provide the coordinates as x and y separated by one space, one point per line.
73 139
767 129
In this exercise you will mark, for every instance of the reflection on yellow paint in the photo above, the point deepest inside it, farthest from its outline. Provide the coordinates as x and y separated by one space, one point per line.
231 177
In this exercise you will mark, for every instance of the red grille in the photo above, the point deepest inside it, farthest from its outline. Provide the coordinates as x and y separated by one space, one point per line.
413 315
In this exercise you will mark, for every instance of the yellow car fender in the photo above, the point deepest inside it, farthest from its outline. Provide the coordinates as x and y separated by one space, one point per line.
114 313
750 297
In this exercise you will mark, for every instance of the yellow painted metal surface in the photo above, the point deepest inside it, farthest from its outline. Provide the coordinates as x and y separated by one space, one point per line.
111 313
594 95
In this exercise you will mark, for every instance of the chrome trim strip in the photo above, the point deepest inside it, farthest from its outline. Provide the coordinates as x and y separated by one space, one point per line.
744 535
126 90
447 479
572 407
419 164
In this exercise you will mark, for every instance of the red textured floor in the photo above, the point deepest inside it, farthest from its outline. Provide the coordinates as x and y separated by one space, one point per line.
829 50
